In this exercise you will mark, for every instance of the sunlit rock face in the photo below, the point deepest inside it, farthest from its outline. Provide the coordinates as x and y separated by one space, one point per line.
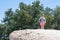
35 34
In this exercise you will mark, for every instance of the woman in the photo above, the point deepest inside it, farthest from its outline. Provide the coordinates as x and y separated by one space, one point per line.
42 21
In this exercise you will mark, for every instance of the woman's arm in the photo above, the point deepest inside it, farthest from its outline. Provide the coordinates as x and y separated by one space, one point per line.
39 19
44 20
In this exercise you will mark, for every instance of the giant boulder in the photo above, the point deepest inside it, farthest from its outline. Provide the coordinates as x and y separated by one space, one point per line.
35 34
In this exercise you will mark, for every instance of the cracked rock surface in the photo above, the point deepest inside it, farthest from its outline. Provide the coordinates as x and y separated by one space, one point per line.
35 34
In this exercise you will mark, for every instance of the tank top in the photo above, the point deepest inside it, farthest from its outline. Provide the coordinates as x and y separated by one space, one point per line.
42 20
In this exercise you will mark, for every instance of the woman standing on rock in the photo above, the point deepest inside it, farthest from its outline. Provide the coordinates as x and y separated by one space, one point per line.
42 21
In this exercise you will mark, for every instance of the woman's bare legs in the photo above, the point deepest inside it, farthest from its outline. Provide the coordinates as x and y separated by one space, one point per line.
42 27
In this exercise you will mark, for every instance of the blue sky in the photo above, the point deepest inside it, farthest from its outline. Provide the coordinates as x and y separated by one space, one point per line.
6 4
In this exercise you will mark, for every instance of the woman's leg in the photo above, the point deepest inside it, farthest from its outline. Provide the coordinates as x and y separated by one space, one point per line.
42 25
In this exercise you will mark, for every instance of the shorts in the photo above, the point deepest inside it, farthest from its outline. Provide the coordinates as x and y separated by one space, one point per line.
42 24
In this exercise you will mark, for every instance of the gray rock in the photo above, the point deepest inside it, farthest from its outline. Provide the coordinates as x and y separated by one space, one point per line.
35 34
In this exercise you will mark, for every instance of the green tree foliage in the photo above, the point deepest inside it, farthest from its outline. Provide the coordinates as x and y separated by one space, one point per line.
49 17
57 17
27 17
24 17
4 32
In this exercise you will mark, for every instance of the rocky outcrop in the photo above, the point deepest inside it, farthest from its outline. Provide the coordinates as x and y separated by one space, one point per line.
35 34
